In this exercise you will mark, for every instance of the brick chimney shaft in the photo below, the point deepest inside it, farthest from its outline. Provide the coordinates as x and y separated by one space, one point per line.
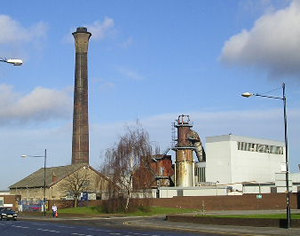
80 141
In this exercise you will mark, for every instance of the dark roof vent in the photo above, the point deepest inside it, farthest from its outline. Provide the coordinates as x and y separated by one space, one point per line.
81 30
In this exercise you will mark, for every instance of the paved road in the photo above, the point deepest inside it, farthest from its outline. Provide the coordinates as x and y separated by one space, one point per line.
162 224
147 226
68 228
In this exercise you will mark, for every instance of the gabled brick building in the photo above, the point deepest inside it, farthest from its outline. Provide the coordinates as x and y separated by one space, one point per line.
32 186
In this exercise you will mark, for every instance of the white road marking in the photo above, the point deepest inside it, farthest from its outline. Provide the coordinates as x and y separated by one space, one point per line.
49 230
22 227
99 230
34 223
67 227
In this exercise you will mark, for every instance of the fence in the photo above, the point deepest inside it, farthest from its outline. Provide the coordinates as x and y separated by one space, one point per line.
31 205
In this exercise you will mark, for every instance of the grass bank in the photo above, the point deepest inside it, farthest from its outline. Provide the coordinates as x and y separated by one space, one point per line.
140 212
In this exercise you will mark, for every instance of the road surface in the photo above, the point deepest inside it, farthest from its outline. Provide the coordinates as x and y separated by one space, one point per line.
38 228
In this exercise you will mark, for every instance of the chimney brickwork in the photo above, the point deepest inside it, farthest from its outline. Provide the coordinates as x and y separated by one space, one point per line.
80 141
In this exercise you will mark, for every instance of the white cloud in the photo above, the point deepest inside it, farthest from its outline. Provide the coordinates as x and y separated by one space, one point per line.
272 43
254 7
107 86
40 105
130 73
11 31
102 84
101 30
127 43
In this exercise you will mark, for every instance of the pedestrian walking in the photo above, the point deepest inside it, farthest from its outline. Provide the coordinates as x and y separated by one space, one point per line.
54 211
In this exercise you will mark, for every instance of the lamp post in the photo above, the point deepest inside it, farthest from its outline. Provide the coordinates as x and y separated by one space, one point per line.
283 98
13 61
44 185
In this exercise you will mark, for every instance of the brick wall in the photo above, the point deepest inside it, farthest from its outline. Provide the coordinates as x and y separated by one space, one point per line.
243 202
70 203
208 203
11 199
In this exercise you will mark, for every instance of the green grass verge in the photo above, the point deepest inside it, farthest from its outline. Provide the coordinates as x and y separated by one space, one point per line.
257 216
140 212
160 211
82 210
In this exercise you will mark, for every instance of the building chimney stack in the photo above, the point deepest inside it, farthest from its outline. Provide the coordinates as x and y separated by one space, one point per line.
80 141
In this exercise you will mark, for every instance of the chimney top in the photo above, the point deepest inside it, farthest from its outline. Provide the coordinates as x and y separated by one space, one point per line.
81 30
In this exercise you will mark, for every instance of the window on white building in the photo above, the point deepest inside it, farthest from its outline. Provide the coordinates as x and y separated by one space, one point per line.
263 148
200 174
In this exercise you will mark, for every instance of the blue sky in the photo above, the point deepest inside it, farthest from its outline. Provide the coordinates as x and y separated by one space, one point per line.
149 61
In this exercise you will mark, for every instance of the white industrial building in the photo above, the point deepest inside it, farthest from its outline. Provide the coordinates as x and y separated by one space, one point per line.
238 165
236 159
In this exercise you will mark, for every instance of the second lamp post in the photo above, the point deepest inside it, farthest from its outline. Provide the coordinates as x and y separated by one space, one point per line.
44 184
283 98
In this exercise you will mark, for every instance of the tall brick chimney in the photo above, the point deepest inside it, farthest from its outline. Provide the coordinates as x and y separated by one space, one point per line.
80 141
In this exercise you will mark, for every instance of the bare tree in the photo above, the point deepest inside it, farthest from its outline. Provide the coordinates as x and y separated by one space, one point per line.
128 165
76 183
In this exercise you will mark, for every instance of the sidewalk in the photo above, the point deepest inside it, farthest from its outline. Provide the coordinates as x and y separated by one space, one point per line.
217 229
221 229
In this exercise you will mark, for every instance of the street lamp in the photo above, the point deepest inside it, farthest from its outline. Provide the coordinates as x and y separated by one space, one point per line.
13 61
283 98
44 187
